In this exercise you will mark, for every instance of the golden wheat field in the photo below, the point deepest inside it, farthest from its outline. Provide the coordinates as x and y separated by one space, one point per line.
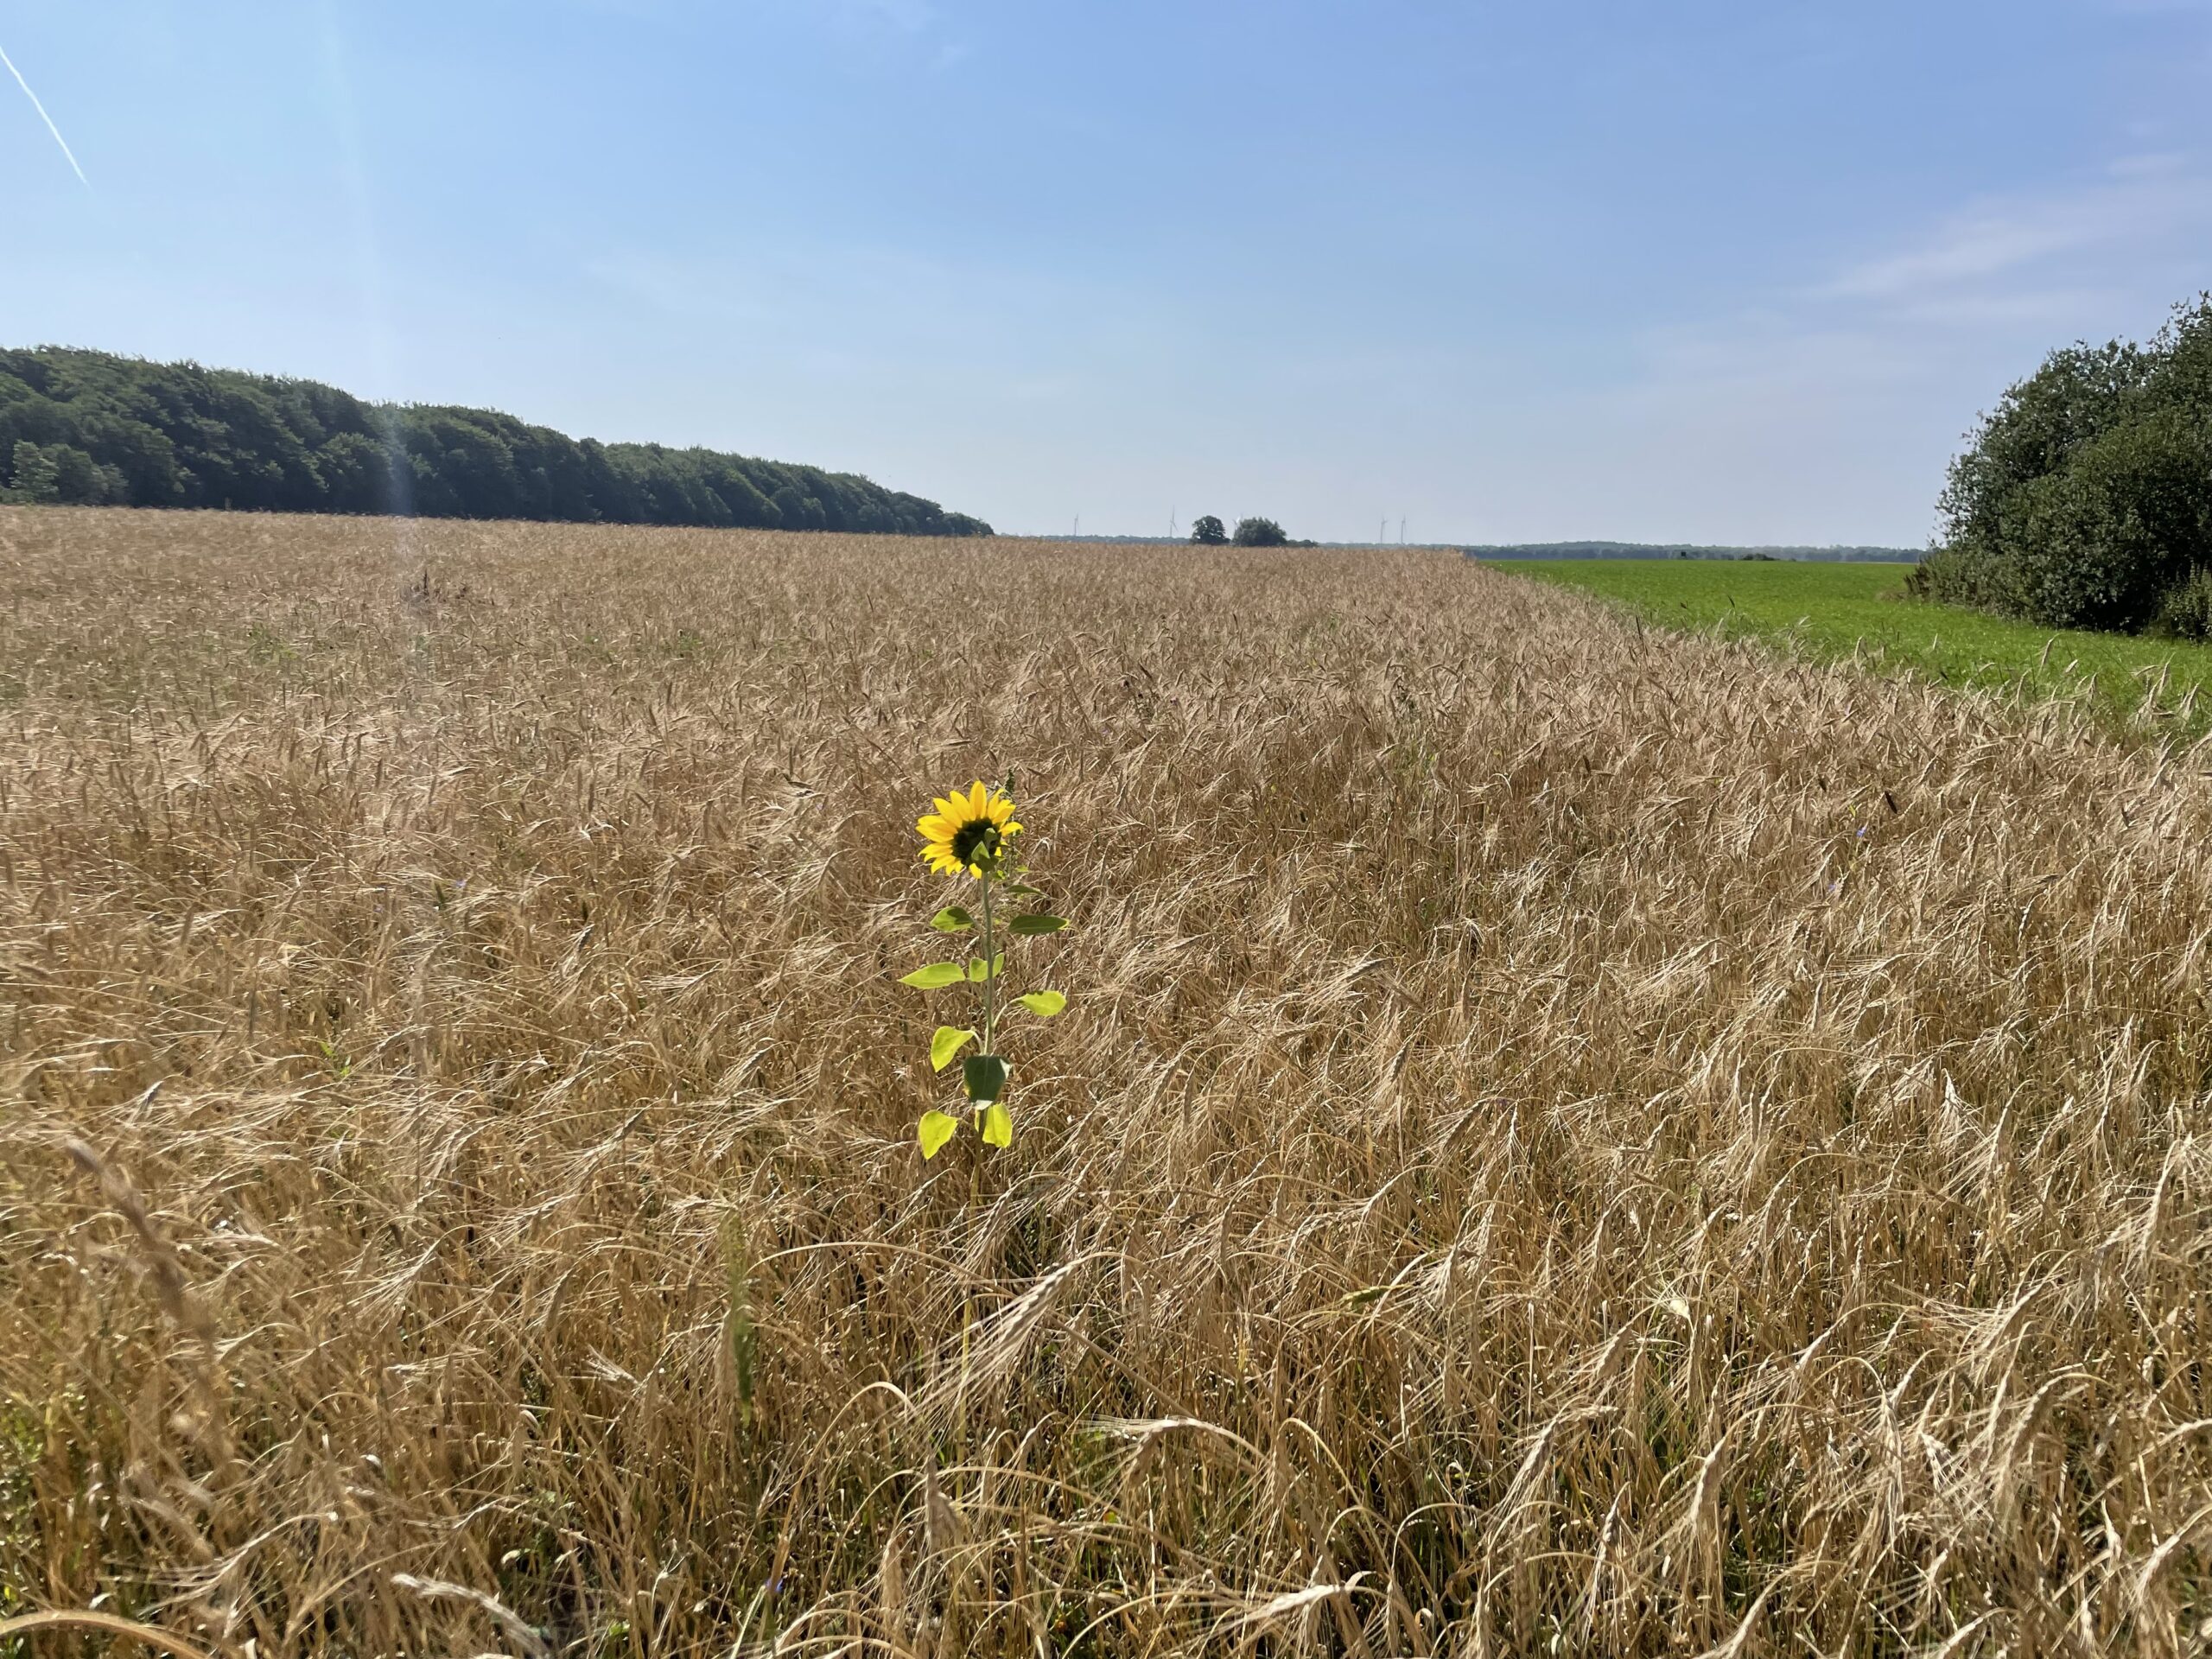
1567 1139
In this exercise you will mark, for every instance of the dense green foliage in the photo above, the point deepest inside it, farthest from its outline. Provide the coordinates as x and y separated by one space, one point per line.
1260 532
1208 532
1854 612
2085 500
89 427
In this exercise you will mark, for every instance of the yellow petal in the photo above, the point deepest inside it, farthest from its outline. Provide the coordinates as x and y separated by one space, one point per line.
936 829
978 797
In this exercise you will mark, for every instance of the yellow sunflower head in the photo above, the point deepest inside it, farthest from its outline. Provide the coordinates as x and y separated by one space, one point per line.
968 832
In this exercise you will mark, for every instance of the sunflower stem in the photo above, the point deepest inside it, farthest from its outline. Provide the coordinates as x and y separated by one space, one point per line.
967 1286
974 1162
990 971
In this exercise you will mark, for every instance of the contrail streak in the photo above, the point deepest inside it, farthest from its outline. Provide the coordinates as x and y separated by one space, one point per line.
44 117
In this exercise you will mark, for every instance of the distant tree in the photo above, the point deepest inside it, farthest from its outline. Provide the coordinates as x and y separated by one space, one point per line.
791 509
356 471
1260 532
1209 531
35 477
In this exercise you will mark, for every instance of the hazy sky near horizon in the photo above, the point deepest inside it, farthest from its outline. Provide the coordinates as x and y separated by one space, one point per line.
1725 271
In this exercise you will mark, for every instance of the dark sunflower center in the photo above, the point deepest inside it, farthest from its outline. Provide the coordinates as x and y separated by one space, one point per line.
976 840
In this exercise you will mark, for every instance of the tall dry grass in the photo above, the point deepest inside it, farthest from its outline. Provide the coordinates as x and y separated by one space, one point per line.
1573 1140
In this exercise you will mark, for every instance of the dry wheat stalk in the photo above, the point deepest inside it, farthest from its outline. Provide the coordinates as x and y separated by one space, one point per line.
1583 1140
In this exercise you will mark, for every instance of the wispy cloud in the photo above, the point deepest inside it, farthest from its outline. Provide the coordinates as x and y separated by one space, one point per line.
2102 253
1834 399
43 116
2136 206
875 16
858 19
906 33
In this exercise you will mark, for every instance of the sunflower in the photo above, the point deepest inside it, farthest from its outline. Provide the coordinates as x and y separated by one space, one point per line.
967 831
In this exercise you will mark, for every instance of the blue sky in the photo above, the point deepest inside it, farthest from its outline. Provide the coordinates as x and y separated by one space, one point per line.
1739 271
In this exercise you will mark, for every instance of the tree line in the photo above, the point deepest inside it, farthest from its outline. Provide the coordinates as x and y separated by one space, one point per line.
90 427
1208 531
2085 499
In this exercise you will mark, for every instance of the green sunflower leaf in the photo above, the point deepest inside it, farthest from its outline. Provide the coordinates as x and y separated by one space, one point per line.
934 1130
998 1125
947 1045
985 1076
953 918
935 977
1037 922
1043 1004
979 970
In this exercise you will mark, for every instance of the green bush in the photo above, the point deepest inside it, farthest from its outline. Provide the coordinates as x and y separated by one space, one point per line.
2187 612
2085 500
2103 543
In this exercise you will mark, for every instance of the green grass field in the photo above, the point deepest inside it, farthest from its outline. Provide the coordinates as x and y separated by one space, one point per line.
1861 611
